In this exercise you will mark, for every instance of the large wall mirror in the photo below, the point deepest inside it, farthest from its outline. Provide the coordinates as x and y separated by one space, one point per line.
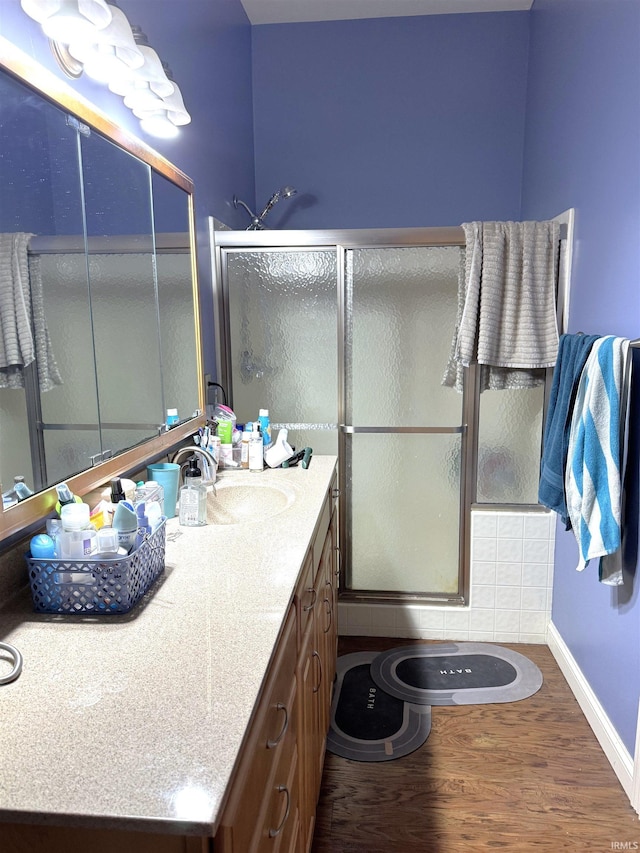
99 325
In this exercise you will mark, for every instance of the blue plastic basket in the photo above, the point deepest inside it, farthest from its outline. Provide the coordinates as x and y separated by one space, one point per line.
77 587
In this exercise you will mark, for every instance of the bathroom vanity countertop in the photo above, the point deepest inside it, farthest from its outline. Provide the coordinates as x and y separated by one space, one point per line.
136 721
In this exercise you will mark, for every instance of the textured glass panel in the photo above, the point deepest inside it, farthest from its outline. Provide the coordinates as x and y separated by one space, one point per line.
405 512
177 333
64 285
403 306
125 325
113 438
69 452
283 322
15 450
323 442
509 442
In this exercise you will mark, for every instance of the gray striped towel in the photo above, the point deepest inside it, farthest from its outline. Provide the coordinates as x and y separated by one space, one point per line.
24 336
507 313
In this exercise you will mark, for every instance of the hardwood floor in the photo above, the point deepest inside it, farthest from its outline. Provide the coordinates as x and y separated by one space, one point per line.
522 776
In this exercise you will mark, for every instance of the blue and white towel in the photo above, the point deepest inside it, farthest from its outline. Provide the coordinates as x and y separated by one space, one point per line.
573 353
593 481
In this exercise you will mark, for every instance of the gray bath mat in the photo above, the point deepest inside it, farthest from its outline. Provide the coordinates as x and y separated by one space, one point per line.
367 723
455 674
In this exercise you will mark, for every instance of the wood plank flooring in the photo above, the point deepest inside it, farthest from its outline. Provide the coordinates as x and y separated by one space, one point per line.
522 776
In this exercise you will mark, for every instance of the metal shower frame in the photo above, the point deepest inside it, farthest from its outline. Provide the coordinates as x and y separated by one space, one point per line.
341 240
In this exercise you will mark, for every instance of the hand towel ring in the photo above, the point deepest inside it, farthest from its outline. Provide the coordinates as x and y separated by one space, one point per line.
17 663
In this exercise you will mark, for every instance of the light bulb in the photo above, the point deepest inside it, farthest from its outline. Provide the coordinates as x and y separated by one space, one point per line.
159 125
68 24
142 98
111 53
103 65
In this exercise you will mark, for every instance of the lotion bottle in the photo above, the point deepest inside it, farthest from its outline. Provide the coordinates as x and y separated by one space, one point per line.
244 446
256 450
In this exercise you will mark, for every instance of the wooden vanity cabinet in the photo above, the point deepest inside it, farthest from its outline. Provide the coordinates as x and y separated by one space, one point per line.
272 804
272 800
262 810
316 664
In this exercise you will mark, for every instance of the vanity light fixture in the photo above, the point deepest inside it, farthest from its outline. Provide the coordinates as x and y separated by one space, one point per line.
95 36
62 20
111 53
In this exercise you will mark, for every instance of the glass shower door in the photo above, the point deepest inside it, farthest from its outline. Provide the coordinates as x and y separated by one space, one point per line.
282 339
402 433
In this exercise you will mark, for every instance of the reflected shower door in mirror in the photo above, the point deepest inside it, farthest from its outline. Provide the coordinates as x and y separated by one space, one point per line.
122 285
45 301
99 324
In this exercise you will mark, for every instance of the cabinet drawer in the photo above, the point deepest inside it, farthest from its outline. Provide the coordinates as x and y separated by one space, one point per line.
281 819
272 742
321 529
306 594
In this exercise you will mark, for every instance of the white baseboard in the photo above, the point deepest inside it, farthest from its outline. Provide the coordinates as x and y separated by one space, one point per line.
608 738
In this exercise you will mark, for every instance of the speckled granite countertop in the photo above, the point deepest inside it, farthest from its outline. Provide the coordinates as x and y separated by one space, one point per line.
136 721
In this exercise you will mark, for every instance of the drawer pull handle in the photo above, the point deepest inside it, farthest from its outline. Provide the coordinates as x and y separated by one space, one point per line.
317 687
282 789
338 561
271 744
329 614
314 595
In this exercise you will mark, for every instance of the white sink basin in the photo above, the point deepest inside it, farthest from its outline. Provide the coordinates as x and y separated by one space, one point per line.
247 503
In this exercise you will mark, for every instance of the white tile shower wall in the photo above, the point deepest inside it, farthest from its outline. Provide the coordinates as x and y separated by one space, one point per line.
511 582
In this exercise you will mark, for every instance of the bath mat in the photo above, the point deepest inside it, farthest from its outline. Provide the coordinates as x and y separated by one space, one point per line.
455 674
368 724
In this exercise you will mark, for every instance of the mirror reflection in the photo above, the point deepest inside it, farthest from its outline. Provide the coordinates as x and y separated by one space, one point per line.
98 326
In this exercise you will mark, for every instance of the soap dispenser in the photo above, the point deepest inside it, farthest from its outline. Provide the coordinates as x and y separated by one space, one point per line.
193 497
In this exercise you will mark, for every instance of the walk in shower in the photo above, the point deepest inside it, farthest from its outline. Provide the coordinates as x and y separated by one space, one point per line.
345 337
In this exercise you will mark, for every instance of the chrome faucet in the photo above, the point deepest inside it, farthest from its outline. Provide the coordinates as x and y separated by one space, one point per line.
210 466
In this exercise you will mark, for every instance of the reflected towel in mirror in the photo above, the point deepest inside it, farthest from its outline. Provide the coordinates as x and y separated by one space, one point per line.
24 336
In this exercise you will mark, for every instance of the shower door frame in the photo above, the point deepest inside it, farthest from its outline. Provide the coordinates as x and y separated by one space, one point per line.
342 241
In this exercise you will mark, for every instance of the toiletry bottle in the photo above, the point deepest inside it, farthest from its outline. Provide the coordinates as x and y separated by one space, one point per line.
125 521
193 497
172 417
265 427
75 516
149 492
238 434
78 539
144 528
42 547
54 529
107 543
117 492
66 496
21 489
9 498
244 447
256 450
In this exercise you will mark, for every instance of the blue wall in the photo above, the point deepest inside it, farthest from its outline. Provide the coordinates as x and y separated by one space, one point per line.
421 121
391 122
208 47
582 151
